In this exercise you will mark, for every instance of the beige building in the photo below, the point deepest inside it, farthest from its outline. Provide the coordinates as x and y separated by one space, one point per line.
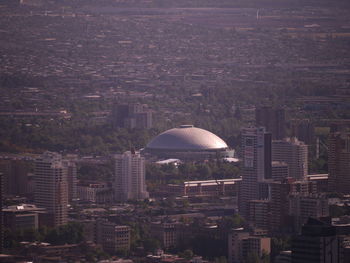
241 244
129 177
51 187
294 153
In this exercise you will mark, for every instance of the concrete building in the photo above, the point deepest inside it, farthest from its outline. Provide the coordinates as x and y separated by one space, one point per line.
255 165
317 243
242 244
166 233
279 220
339 162
301 207
96 193
318 183
279 171
51 187
72 180
112 237
294 153
129 177
25 216
273 120
259 213
15 176
222 187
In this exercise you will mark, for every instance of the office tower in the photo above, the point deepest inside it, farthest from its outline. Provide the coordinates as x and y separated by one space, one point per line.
70 163
294 153
273 120
133 115
339 162
112 237
129 177
317 243
304 130
259 213
279 221
15 176
242 244
51 187
301 207
256 165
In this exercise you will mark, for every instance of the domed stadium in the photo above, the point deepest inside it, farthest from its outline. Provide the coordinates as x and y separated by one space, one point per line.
188 142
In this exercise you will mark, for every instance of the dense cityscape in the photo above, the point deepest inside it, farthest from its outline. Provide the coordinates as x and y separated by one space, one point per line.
182 131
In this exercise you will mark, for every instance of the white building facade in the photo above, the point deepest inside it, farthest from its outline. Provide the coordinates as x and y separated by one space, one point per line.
129 177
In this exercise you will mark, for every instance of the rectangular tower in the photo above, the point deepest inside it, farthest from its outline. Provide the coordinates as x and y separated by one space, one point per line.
339 162
294 153
256 164
51 187
129 177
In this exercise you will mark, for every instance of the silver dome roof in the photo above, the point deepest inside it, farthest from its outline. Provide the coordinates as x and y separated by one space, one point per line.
186 138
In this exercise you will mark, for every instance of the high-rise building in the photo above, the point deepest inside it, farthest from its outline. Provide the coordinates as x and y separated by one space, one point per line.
317 243
339 162
294 153
256 165
129 177
133 115
273 119
278 219
51 187
304 130
259 213
70 163
15 176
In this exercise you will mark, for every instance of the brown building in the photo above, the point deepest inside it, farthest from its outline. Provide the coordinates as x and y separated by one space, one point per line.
339 162
273 120
112 237
15 176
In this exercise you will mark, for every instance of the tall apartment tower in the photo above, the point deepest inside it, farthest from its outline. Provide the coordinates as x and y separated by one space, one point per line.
339 162
72 180
51 187
294 153
256 165
129 177
272 119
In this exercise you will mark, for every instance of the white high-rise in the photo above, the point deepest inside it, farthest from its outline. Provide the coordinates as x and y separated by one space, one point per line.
129 177
51 187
